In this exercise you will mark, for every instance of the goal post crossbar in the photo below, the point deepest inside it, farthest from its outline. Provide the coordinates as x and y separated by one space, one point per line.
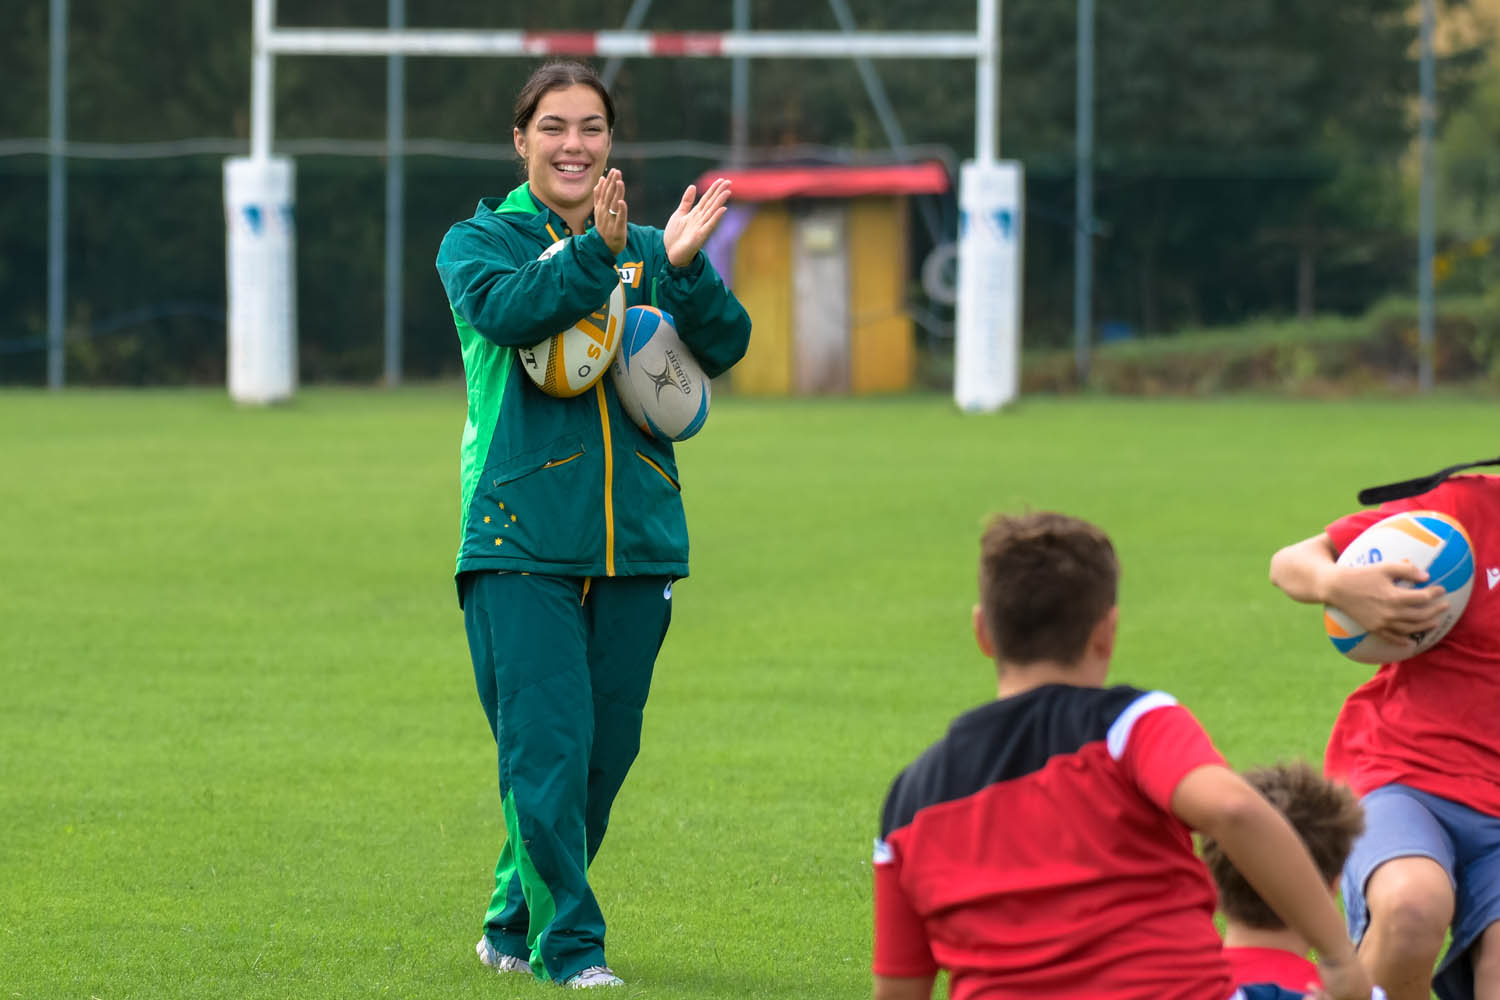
746 44
981 45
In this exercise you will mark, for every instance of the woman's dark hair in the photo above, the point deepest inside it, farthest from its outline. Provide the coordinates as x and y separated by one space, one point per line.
558 76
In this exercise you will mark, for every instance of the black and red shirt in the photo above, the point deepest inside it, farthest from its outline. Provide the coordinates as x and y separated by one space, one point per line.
1032 852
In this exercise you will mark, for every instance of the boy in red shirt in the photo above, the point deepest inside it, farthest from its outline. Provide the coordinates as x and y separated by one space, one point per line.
1043 849
1326 815
1420 742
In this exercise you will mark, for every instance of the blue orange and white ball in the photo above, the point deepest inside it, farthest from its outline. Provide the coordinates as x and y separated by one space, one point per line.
662 387
568 363
1427 539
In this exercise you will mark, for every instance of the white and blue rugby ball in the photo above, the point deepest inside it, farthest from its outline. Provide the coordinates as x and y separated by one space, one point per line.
566 364
661 385
1428 540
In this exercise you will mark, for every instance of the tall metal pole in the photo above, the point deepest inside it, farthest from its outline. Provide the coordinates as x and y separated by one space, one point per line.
874 89
57 192
1083 202
395 185
987 84
739 93
1425 225
262 80
634 18
889 123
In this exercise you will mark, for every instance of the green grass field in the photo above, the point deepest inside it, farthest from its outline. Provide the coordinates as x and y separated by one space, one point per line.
241 752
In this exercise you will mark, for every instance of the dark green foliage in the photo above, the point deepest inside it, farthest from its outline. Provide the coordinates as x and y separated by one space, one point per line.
1233 143
23 270
1329 357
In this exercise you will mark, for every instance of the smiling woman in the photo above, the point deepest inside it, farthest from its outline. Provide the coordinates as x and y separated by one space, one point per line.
564 127
572 522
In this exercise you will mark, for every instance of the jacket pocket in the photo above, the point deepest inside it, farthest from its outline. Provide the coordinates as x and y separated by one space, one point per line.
542 506
649 523
561 451
661 471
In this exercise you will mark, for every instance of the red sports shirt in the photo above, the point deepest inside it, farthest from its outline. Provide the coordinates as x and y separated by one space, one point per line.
1272 965
1032 852
1431 721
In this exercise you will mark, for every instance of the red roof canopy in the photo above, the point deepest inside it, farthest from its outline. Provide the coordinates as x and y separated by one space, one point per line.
776 183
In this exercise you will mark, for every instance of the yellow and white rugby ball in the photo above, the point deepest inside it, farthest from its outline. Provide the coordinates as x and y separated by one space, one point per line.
568 363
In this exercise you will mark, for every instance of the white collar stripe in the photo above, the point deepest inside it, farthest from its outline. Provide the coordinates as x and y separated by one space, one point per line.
1119 730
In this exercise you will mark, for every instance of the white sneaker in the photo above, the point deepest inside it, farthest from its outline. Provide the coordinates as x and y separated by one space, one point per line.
500 963
594 975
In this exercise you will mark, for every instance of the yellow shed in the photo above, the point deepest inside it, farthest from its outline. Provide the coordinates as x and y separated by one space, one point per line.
819 257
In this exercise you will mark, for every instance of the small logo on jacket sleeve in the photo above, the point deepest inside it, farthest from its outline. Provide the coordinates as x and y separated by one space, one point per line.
883 853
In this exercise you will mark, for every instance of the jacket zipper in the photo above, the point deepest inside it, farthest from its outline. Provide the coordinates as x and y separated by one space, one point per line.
609 467
609 483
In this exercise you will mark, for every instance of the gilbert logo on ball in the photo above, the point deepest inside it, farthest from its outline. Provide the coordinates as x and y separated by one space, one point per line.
568 363
1428 540
661 385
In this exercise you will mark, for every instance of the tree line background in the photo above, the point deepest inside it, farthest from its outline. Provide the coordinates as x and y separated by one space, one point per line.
1253 159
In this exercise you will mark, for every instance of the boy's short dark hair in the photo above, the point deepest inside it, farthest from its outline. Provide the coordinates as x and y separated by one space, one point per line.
1325 814
1045 581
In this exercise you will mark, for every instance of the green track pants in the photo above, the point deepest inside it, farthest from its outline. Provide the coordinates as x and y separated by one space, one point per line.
563 666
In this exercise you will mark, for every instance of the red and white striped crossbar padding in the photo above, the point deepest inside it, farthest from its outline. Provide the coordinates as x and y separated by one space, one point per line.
762 44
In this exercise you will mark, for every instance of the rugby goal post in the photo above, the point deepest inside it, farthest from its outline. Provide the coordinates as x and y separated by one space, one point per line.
260 189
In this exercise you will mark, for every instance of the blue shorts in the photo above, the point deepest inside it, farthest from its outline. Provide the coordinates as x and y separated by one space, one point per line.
1265 991
1401 822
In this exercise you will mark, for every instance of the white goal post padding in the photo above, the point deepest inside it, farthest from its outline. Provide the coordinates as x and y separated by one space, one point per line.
260 248
987 335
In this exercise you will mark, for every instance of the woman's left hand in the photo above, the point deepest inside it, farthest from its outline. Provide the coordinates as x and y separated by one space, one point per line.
690 226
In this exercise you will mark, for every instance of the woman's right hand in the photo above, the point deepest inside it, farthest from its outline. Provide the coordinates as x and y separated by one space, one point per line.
610 210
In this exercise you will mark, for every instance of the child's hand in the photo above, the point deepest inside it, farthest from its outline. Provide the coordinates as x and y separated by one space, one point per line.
1346 980
1374 597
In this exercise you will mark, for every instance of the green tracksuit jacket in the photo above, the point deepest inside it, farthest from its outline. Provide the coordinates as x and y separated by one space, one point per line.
568 486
